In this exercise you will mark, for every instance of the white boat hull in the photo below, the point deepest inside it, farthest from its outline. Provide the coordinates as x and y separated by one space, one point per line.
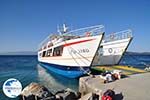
77 54
111 52
76 58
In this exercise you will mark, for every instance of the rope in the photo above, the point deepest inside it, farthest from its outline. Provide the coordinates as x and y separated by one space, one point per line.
81 56
84 71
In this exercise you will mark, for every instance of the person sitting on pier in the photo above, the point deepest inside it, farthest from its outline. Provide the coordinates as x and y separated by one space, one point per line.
111 76
107 76
117 74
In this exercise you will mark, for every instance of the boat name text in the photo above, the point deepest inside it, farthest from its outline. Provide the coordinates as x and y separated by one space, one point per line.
80 51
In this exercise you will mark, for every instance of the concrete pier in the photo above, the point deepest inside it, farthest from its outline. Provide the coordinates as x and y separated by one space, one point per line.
134 87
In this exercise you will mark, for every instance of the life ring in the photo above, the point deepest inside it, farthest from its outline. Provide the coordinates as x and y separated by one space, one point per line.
88 34
110 50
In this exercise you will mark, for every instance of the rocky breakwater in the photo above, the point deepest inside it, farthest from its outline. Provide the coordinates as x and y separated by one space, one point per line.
35 91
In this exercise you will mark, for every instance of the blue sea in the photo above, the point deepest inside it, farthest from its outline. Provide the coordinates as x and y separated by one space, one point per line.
26 69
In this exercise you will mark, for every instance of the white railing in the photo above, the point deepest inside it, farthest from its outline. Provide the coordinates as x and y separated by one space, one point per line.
46 40
93 30
118 36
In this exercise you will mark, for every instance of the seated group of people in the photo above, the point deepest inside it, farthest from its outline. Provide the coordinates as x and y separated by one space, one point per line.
111 76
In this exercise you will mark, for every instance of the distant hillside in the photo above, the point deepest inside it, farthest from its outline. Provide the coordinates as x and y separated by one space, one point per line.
137 53
35 53
20 53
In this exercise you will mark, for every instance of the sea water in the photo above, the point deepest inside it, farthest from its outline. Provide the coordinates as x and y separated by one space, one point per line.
26 69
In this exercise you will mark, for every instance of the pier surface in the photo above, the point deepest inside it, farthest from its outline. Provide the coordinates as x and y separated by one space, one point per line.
126 70
133 87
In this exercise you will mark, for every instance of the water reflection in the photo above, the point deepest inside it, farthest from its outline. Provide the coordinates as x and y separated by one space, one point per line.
55 82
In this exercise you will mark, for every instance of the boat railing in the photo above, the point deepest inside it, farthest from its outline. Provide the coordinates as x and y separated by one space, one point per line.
118 36
49 39
78 33
82 32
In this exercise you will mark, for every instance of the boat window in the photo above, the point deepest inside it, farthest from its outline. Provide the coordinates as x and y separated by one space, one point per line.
58 51
49 52
40 54
44 54
44 47
50 45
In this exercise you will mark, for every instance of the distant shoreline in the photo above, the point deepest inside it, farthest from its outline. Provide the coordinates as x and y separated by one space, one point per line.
19 53
16 55
137 53
35 53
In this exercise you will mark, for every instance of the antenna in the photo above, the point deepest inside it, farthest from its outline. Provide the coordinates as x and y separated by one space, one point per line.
65 28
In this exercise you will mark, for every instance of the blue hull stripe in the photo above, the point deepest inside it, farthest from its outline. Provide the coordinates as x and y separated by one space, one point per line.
69 72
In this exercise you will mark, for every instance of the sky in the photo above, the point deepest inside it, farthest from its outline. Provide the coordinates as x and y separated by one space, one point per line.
25 23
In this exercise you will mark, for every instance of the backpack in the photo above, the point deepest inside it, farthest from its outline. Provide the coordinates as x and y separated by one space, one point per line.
108 95
106 98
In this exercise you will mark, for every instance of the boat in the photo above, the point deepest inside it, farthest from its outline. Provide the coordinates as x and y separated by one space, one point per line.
70 53
112 48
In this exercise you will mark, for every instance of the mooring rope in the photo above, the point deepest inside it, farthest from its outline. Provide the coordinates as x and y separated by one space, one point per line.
84 71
